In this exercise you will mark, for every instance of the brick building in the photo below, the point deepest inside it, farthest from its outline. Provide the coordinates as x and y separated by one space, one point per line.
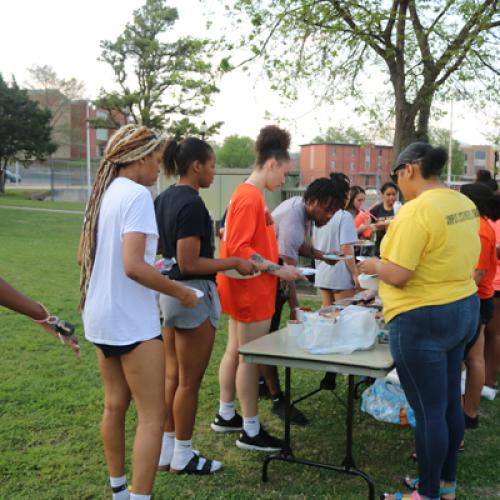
478 158
368 165
69 125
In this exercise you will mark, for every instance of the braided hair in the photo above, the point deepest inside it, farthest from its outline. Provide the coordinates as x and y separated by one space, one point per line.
128 144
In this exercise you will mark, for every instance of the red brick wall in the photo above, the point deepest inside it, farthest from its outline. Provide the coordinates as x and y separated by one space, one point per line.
319 160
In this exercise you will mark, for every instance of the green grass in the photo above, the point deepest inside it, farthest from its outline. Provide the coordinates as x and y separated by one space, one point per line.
50 406
21 198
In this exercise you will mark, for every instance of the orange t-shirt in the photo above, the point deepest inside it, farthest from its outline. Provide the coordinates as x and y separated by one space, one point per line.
249 230
363 218
487 259
496 227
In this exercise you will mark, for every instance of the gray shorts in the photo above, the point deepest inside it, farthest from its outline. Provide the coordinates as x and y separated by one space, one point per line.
177 316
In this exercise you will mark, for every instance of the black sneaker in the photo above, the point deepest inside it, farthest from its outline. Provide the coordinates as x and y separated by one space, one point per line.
471 422
328 382
261 442
263 390
220 424
296 416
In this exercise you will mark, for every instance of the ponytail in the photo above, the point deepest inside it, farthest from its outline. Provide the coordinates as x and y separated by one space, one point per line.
178 156
433 162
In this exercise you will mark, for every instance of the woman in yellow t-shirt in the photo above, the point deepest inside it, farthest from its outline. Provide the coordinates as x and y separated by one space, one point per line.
431 306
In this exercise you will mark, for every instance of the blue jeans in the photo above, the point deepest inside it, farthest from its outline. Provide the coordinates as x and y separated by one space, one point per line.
427 345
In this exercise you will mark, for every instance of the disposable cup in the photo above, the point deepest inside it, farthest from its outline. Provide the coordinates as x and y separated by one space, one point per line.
294 327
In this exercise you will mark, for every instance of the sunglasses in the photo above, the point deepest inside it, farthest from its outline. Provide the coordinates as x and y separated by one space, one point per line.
394 175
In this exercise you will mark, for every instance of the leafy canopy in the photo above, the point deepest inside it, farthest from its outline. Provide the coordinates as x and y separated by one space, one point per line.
24 128
348 135
160 84
236 152
424 48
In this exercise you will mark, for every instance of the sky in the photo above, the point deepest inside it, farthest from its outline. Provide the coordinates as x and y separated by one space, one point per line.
65 34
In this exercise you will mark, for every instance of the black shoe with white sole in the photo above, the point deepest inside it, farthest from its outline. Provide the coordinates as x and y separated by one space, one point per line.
296 416
261 442
220 424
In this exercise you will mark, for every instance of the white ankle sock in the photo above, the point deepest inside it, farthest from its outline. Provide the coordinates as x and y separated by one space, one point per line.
167 448
226 410
251 425
135 496
115 482
183 453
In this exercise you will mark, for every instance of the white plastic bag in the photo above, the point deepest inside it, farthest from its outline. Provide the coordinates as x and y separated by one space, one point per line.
355 329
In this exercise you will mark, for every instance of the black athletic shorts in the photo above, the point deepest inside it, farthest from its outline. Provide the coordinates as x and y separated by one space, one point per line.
110 351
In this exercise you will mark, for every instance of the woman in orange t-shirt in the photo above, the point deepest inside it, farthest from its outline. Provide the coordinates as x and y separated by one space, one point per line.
488 205
249 234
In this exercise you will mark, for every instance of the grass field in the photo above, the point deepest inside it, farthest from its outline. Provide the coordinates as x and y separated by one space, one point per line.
50 406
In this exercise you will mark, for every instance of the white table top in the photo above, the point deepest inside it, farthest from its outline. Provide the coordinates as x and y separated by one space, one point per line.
280 349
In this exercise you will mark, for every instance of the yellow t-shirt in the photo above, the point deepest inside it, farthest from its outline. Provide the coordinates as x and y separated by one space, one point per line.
436 235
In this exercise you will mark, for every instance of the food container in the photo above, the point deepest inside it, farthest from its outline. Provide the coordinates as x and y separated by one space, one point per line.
368 281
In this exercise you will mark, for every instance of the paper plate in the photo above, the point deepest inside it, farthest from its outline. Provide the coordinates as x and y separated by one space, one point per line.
362 258
199 293
232 273
307 271
334 256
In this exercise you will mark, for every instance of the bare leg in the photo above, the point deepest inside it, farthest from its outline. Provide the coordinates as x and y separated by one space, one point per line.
229 365
327 297
144 369
116 402
171 376
270 374
344 294
247 376
492 346
475 376
193 348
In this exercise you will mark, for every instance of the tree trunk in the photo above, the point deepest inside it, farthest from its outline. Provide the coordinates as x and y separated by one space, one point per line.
2 181
404 132
424 113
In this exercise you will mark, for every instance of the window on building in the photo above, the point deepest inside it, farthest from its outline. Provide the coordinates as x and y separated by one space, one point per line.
353 151
352 166
334 150
367 159
380 152
333 166
480 155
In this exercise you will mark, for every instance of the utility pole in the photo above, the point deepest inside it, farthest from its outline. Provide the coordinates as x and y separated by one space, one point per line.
450 144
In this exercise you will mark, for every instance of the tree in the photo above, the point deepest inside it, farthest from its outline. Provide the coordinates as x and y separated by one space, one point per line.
24 129
55 93
441 137
158 81
427 49
338 134
237 152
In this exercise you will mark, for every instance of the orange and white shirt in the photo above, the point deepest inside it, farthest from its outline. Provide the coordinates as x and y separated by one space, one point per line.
249 230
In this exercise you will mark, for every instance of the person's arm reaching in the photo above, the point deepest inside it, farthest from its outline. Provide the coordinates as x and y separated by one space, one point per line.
20 303
137 269
190 261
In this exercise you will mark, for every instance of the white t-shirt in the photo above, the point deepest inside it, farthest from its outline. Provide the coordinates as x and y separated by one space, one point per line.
118 310
340 230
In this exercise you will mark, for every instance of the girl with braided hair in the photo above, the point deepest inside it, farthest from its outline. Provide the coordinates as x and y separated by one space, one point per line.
120 315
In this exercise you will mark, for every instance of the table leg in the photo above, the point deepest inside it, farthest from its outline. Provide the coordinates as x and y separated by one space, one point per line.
348 465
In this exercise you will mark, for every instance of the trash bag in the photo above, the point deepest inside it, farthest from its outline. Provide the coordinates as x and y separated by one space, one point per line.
386 401
354 329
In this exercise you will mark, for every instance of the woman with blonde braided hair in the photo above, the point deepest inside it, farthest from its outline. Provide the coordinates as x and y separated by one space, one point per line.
120 316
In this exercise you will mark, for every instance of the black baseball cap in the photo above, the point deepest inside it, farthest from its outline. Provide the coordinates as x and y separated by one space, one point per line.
412 153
